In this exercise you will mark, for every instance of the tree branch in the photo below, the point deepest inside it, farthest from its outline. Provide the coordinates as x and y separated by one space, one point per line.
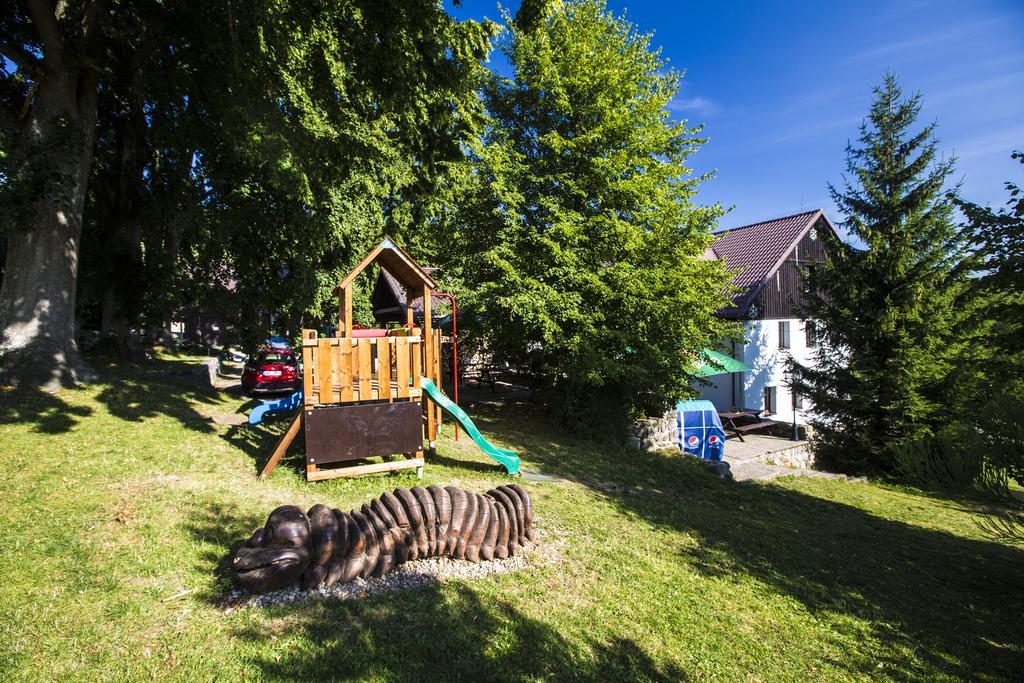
42 13
23 58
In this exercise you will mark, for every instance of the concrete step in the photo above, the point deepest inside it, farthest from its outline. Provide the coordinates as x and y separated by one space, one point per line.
758 471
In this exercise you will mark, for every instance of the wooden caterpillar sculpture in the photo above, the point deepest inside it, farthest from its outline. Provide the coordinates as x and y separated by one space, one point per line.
324 546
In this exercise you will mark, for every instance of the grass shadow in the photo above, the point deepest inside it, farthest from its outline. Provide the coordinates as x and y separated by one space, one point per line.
936 599
47 413
436 633
259 441
220 529
135 391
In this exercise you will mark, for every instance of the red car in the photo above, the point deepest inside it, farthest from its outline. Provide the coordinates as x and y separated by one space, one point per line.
271 371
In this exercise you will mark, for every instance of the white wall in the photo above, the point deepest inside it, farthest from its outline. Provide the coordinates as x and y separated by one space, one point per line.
762 353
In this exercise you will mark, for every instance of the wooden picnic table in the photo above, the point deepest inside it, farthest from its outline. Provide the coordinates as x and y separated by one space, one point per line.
729 419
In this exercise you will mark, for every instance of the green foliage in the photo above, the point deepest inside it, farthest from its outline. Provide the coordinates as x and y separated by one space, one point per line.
900 348
360 109
999 237
576 235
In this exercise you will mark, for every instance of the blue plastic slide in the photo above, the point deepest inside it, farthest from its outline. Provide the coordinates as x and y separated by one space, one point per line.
289 404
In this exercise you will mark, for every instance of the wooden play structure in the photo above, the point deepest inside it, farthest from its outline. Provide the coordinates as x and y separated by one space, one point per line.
362 393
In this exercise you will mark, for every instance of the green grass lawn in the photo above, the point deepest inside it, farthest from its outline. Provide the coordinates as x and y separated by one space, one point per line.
126 493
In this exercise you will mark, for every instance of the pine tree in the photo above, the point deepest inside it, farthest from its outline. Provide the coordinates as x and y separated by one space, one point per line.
894 309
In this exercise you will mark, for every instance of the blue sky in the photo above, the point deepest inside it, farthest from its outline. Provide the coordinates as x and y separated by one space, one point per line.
782 87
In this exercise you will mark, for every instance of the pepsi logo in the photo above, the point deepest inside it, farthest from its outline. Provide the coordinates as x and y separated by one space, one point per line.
713 439
693 441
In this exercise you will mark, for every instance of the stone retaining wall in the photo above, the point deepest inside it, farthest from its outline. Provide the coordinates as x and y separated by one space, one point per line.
655 433
796 456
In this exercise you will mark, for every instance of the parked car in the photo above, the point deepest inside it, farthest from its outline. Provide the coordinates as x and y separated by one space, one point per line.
233 354
279 344
271 371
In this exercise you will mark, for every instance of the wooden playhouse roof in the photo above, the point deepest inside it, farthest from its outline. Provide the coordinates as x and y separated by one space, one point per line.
393 259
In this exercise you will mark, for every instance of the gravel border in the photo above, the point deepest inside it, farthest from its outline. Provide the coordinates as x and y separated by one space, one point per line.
413 574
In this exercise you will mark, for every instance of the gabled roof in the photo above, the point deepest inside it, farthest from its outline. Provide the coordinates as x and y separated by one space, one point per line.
389 299
754 252
395 261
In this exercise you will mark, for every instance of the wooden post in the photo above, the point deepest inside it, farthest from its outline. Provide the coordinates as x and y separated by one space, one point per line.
307 366
410 318
345 312
428 363
282 445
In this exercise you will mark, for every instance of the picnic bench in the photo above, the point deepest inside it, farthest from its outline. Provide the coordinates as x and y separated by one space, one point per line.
731 422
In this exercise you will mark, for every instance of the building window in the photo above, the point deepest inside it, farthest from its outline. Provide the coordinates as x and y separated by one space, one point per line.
798 401
811 329
783 334
769 400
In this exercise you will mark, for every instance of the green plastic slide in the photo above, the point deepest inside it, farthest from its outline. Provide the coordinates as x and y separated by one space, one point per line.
506 458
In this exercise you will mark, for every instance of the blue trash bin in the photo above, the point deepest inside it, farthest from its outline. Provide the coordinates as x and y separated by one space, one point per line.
700 430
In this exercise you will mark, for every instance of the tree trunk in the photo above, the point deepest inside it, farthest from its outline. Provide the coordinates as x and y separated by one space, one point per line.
37 301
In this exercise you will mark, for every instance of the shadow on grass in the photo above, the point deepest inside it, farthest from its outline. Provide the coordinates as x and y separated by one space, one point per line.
47 413
259 442
938 601
439 633
221 529
134 391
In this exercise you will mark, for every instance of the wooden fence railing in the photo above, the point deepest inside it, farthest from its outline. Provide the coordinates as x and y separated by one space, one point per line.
347 369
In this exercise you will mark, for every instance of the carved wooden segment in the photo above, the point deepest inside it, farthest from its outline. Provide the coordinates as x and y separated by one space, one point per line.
513 523
386 558
357 550
384 369
501 541
400 530
491 534
520 512
370 536
365 369
443 506
467 527
527 508
415 517
392 529
458 497
324 529
426 504
480 528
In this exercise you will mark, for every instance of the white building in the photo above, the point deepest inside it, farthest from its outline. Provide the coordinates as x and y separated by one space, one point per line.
768 259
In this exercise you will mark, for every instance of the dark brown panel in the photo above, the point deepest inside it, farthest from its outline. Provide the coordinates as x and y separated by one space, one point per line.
340 433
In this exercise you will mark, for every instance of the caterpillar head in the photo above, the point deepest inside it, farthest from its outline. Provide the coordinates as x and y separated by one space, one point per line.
277 554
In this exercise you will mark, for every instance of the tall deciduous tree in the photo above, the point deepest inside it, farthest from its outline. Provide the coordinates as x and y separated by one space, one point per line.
577 236
342 124
48 126
894 312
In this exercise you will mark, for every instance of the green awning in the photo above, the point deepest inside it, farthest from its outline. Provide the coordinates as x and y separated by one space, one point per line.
720 364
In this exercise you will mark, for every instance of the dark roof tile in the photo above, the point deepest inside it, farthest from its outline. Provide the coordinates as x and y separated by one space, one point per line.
753 252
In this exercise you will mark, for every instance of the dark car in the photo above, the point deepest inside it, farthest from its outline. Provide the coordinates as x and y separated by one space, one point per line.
271 371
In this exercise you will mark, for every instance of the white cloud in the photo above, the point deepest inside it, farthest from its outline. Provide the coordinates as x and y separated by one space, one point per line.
699 106
995 143
922 45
